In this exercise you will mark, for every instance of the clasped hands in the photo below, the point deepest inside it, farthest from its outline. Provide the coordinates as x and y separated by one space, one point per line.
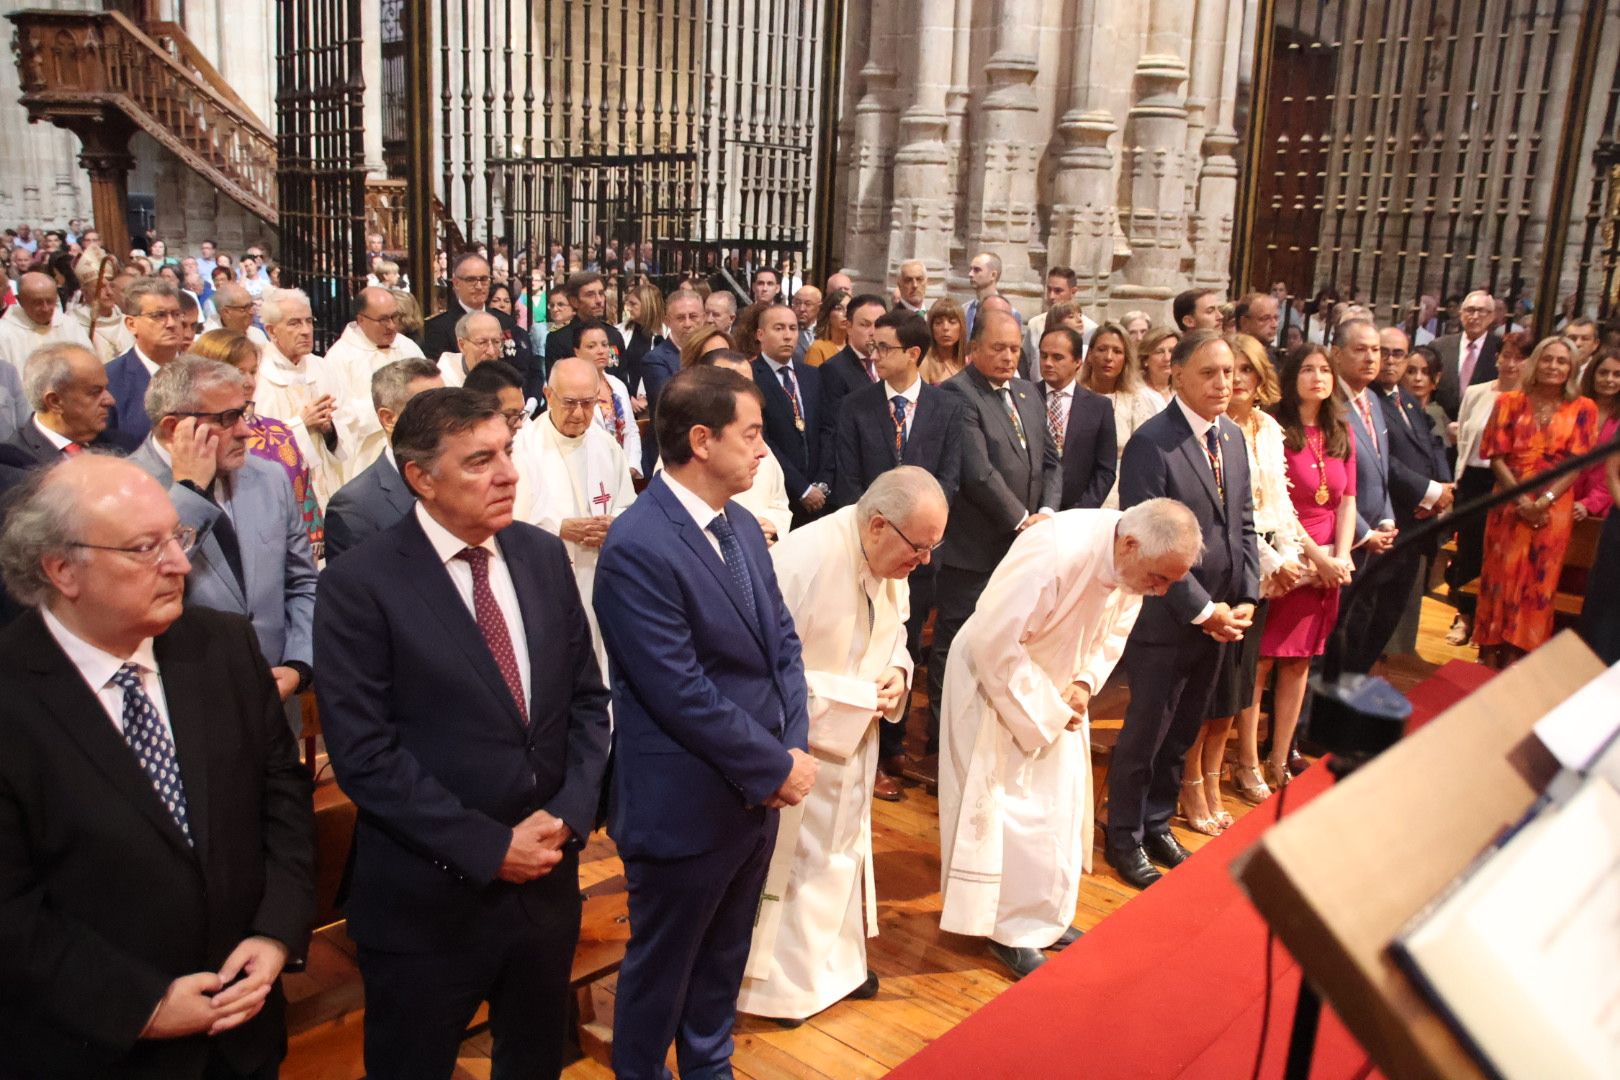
1077 696
536 847
588 532
800 779
209 1003
1228 622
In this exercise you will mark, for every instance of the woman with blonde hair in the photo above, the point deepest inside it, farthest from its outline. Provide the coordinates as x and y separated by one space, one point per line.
832 330
1110 369
1155 349
701 342
643 328
410 314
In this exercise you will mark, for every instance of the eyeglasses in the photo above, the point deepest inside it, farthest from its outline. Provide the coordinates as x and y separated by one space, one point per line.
569 404
1397 353
185 537
487 343
163 316
385 319
515 417
884 349
920 549
227 419
474 280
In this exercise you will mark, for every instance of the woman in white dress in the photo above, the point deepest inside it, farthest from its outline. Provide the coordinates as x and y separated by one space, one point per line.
1110 368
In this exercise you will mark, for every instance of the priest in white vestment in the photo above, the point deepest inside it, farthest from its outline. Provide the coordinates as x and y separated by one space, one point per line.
479 338
370 342
301 389
97 313
1015 810
573 479
844 580
36 320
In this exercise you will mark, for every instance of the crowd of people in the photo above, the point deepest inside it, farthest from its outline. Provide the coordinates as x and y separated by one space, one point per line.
590 552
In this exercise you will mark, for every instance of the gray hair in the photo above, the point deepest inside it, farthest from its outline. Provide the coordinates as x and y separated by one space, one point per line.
1350 327
464 324
896 494
273 303
142 287
40 522
50 369
726 295
391 383
179 385
1164 527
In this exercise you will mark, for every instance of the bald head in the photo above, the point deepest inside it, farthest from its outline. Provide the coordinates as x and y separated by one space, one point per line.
571 395
479 337
378 316
37 294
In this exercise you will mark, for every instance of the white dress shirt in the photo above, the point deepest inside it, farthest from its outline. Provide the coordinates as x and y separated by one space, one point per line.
146 361
910 393
701 511
98 667
56 438
447 546
1200 426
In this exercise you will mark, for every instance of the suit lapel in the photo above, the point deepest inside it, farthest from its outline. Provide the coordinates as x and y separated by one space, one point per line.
393 488
531 605
994 401
1198 459
697 542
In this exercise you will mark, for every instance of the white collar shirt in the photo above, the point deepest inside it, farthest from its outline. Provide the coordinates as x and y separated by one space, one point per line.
97 667
701 511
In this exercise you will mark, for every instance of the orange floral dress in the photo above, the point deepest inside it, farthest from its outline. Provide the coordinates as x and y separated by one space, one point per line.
1522 564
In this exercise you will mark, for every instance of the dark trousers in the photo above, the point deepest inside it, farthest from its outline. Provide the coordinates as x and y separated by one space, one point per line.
956 594
418 1005
1171 688
892 737
1371 621
1470 558
691 921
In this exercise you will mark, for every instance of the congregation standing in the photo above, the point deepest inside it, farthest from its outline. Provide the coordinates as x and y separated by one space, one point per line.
575 552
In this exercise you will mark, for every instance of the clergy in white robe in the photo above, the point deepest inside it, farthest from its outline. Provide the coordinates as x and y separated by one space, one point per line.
1015 810
844 580
98 314
370 342
573 480
479 338
36 320
302 390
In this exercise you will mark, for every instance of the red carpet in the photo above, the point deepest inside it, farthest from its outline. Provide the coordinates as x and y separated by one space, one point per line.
1172 984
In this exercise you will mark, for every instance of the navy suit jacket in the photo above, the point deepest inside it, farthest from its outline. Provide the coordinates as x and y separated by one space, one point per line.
841 375
661 364
799 452
1374 502
126 382
706 703
865 446
33 443
1090 453
1165 460
365 506
427 741
1416 457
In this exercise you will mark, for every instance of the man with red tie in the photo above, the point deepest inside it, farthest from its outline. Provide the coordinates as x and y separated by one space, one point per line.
67 387
792 412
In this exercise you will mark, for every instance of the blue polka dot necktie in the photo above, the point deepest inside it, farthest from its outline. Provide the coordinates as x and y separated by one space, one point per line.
732 553
149 738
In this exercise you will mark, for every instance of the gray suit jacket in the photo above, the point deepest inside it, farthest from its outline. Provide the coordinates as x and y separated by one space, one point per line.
14 407
279 593
365 506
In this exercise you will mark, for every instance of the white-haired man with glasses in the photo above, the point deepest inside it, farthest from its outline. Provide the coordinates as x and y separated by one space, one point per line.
253 555
156 833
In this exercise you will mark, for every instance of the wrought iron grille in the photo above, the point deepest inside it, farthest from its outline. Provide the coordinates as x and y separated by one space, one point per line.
321 181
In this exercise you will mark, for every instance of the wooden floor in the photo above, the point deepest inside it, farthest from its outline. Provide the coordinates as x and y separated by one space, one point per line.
930 980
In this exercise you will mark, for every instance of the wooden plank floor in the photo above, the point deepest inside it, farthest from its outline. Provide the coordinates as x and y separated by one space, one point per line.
930 980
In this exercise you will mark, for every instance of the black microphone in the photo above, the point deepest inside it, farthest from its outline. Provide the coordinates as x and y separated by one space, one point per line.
1356 717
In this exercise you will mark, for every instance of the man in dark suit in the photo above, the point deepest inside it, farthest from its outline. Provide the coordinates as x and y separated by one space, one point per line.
792 395
378 497
587 292
156 834
1469 357
466 718
67 387
469 292
851 368
1011 478
1080 422
152 315
899 420
683 314
711 728
1192 453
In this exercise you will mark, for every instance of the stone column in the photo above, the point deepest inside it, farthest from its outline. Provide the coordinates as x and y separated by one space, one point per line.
868 244
1155 137
1219 40
924 211
1007 149
956 107
1084 217
371 72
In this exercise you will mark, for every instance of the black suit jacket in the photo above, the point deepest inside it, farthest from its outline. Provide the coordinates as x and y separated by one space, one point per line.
102 901
365 506
32 442
841 375
427 741
799 452
1165 460
560 343
865 442
1448 392
1002 479
1416 457
1090 453
439 337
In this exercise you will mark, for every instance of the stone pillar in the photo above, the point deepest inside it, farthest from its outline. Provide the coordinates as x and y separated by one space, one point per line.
956 107
868 240
1007 149
371 72
1219 39
1084 217
924 218
1156 136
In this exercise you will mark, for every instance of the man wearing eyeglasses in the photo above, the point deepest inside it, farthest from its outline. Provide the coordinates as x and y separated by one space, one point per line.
234 311
479 339
153 317
470 280
1469 357
253 555
162 877
36 320
368 344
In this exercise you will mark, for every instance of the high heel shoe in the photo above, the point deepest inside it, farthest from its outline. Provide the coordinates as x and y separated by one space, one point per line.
1276 775
1250 786
1212 788
1196 823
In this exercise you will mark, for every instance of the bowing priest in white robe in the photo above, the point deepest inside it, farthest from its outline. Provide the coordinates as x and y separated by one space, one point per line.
372 341
1015 810
35 321
573 479
302 390
844 580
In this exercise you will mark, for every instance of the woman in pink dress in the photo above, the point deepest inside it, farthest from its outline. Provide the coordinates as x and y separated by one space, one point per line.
1321 456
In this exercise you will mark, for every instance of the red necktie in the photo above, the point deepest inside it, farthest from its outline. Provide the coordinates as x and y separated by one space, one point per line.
1366 418
493 625
72 448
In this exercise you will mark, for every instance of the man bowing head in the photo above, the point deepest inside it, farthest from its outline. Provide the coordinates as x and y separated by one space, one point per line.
1015 811
844 580
709 708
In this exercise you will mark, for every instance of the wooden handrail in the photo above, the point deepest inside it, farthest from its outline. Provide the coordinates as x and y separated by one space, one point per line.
174 35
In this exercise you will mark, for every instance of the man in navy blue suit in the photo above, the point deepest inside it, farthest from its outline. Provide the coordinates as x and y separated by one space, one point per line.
152 314
1192 453
1080 422
466 717
710 729
792 410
